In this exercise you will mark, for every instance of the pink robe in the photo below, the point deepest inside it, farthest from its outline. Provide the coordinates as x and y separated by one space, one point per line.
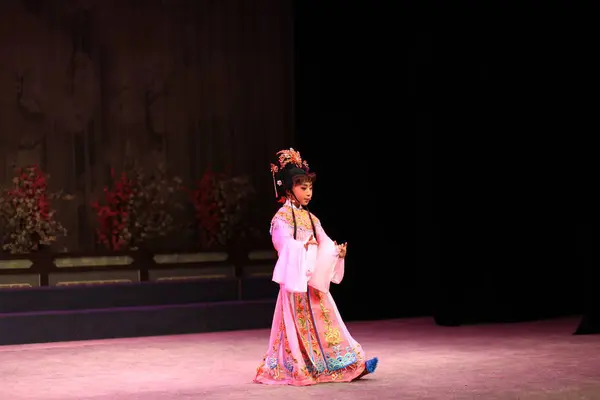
309 342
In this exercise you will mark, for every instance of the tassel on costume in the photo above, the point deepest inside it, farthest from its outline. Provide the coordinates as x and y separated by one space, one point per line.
275 185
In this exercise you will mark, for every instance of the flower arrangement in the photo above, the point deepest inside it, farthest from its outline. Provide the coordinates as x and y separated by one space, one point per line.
27 220
220 203
138 208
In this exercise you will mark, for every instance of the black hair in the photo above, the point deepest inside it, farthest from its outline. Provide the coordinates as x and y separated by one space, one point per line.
290 176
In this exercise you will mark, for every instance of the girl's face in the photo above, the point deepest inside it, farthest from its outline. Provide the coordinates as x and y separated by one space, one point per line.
303 192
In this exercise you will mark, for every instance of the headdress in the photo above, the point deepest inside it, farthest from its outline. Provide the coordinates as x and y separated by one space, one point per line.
290 164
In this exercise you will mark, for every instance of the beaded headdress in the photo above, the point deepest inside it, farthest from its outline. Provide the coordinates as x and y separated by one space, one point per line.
290 164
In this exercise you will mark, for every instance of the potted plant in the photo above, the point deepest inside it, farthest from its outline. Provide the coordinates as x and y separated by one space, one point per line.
221 203
27 220
139 208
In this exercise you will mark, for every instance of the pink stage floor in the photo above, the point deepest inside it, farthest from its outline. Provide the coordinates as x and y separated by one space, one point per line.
418 360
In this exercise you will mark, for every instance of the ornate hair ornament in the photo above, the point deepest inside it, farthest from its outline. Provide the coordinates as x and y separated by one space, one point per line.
291 156
285 157
274 170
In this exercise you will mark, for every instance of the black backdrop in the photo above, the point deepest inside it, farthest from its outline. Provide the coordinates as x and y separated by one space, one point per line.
355 113
590 323
451 156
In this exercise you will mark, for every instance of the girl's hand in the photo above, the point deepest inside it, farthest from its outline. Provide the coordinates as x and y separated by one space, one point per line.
341 249
310 241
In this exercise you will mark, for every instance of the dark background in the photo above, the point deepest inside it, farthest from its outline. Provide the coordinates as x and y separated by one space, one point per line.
355 125
452 143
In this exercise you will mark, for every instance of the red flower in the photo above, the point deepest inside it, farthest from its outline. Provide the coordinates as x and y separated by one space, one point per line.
112 216
205 199
31 201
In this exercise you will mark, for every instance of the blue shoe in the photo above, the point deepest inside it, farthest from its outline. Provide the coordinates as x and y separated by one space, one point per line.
371 365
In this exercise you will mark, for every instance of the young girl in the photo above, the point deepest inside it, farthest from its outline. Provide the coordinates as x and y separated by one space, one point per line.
309 342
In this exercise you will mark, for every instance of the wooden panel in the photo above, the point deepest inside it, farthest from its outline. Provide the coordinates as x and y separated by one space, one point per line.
258 271
172 274
196 83
19 281
93 278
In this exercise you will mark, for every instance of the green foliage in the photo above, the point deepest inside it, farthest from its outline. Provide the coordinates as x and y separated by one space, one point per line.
234 195
139 207
220 202
154 205
27 220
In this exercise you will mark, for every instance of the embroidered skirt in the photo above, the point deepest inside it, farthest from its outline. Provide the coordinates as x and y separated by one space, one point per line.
310 343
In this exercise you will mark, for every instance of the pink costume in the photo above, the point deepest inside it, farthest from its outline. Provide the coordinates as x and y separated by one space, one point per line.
309 342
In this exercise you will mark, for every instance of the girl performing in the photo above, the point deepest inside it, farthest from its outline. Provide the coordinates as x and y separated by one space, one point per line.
309 342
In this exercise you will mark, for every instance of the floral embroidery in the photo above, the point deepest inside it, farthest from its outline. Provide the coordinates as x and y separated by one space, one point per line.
312 354
332 334
289 364
340 361
333 337
325 353
302 219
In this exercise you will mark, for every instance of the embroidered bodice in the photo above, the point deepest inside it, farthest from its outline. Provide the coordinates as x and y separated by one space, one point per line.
298 264
285 219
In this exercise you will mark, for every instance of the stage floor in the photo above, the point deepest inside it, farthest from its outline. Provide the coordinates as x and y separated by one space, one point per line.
418 360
